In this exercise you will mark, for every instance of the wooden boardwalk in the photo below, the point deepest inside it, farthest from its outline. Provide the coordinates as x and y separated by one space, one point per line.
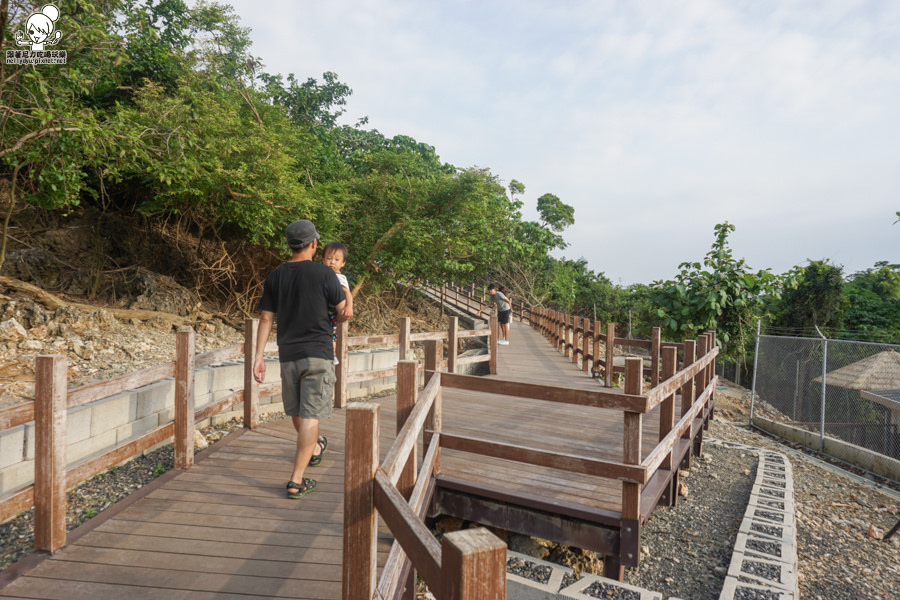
224 529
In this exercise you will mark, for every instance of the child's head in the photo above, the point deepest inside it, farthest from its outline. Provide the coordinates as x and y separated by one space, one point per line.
335 256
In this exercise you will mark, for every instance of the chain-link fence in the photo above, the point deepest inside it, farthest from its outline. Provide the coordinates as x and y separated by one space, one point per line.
848 391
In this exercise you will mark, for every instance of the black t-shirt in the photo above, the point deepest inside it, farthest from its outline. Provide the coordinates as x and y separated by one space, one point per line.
300 294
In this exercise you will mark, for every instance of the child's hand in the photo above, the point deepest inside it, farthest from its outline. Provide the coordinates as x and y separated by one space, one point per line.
347 313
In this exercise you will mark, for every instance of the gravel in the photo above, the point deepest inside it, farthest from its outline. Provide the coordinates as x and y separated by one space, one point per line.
686 550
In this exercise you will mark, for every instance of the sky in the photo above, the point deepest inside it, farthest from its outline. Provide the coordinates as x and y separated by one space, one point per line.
654 119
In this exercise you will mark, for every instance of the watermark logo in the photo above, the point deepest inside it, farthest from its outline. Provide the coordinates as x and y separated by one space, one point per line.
40 31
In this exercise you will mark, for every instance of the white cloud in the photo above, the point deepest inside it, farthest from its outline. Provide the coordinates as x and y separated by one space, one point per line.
655 120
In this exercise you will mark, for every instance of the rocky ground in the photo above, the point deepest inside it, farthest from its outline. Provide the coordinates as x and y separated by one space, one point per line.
686 550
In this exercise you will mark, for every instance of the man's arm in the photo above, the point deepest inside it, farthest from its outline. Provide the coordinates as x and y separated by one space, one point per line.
266 319
339 311
347 313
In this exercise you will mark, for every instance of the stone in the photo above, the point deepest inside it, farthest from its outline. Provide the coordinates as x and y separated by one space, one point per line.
200 442
11 329
527 545
32 345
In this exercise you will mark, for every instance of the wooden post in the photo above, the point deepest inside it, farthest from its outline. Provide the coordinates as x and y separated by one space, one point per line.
405 328
495 335
251 387
473 565
50 403
561 332
667 422
610 354
184 399
567 345
434 355
654 357
433 363
407 371
687 396
360 525
596 349
452 344
342 369
629 548
406 401
711 371
667 408
586 346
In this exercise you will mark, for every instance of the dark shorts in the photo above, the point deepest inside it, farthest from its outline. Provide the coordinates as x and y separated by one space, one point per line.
503 316
307 388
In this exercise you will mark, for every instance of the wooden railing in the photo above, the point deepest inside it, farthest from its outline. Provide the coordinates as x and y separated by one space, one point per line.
467 564
404 340
472 298
52 476
399 491
579 339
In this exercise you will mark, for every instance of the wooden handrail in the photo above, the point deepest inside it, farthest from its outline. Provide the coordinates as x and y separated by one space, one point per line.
599 398
405 441
545 458
665 445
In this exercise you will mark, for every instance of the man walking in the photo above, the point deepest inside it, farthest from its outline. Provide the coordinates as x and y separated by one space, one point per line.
300 292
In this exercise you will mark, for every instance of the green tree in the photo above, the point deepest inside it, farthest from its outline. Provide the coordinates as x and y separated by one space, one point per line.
811 297
556 215
872 301
721 295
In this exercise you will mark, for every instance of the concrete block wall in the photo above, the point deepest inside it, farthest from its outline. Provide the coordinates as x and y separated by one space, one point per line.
103 425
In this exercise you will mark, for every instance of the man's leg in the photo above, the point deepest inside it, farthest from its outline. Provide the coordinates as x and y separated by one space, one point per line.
307 436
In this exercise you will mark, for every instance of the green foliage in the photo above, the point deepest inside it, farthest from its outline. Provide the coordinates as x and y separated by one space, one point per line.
555 214
811 297
872 304
721 295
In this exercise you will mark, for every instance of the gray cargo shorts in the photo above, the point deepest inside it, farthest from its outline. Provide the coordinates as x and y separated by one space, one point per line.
307 388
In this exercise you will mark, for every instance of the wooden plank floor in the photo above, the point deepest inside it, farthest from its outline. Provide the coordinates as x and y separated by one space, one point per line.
224 529
579 430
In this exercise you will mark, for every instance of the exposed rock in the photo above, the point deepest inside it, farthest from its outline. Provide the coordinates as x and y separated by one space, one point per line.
527 545
11 329
200 442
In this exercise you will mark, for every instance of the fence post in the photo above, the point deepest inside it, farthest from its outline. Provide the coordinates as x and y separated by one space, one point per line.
405 329
667 422
360 533
452 343
342 369
473 565
560 331
50 404
654 357
755 366
406 401
495 334
596 349
586 346
184 399
610 353
631 455
824 383
251 387
687 395
433 362
407 372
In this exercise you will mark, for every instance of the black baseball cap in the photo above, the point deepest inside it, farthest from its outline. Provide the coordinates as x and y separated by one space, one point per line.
300 233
